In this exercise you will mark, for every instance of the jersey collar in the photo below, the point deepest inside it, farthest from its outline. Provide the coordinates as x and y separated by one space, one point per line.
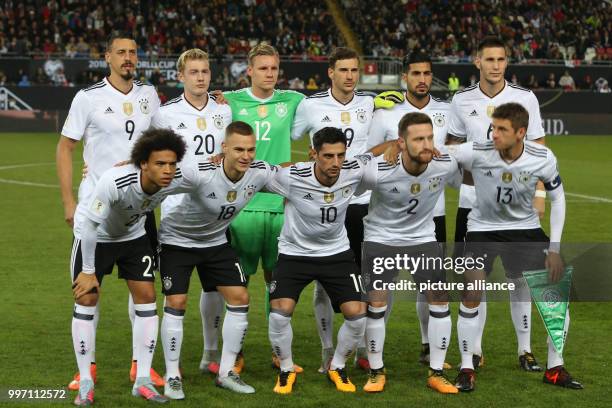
250 93
117 90
193 107
329 92
408 103
493 97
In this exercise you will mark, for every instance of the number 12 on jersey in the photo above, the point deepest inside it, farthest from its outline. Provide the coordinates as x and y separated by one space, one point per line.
262 128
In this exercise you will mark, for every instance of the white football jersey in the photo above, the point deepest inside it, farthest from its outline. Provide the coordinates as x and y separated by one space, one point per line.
200 218
202 129
402 205
109 122
314 214
385 127
504 191
323 110
470 119
119 205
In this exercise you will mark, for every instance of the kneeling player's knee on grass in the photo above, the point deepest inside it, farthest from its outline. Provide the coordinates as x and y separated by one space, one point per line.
178 302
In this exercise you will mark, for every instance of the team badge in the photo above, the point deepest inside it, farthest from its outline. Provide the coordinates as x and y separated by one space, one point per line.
262 111
249 191
524 177
345 117
490 110
361 116
201 122
167 283
328 197
438 119
346 192
281 109
434 183
415 188
128 109
507 177
552 297
272 287
144 106
218 121
145 204
231 196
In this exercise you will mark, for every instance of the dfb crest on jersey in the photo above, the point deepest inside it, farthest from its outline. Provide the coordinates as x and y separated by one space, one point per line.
231 196
361 115
262 111
128 109
524 177
201 123
506 177
438 119
345 117
249 191
490 110
434 183
328 197
346 191
144 106
415 188
281 109
218 121
167 281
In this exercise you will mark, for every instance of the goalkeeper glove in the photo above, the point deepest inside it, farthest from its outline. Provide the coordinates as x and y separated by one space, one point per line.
388 99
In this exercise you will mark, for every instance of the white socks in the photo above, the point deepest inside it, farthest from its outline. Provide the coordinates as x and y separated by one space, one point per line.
172 339
83 338
281 337
555 358
351 331
439 334
211 309
482 320
422 309
235 327
145 329
467 329
324 315
132 316
520 310
375 335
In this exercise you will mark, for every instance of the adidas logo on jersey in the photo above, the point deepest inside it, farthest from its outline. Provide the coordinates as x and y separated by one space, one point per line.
394 190
109 110
129 207
243 112
326 119
181 126
212 196
308 197
474 113
488 173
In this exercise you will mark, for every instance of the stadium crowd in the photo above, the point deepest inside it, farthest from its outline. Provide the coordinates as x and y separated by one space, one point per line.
573 29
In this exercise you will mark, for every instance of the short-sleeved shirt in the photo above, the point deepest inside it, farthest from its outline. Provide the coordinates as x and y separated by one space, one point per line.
314 213
505 191
271 119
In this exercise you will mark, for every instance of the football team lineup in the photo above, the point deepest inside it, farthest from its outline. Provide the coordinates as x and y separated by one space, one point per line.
263 192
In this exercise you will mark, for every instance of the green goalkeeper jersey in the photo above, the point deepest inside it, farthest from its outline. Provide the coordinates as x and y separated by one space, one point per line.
271 120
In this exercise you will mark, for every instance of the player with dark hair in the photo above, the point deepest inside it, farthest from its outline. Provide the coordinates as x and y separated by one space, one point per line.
112 232
342 107
504 223
108 117
313 246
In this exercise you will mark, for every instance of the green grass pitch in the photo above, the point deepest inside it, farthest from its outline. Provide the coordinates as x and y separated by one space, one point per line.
36 306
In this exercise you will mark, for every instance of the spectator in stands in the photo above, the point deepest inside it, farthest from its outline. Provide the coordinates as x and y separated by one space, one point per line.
532 82
567 82
601 83
296 83
551 82
40 78
24 81
58 78
514 80
472 80
453 83
605 88
282 82
587 83
2 78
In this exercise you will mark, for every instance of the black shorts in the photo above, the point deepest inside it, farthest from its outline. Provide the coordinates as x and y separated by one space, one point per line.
217 266
520 250
134 259
354 228
428 258
338 274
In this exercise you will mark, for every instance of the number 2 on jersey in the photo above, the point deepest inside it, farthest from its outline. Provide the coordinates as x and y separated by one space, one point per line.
262 128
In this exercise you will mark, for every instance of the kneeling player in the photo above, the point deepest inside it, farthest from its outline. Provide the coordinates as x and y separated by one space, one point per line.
503 222
313 246
113 233
192 234
400 221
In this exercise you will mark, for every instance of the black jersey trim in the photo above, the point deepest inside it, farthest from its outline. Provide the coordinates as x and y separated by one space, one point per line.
172 101
511 85
96 86
468 89
439 100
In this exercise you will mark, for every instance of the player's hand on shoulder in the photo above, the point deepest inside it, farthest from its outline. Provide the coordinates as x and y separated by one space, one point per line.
391 154
219 98
554 264
121 163
388 99
84 284
216 159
